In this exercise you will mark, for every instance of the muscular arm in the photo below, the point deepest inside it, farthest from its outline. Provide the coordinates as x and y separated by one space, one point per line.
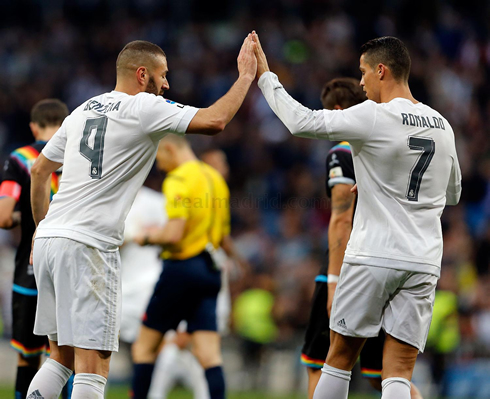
339 232
40 186
213 119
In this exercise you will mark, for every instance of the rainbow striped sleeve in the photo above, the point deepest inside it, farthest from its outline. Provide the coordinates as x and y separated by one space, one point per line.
310 362
25 156
370 373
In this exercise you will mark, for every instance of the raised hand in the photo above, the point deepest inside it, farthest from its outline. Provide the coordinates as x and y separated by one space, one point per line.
262 65
247 61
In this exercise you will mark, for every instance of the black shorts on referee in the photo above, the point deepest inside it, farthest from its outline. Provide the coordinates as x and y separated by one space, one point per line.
317 338
187 290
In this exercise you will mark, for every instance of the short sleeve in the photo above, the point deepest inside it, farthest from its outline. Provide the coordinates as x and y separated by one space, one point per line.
177 194
54 150
340 167
160 116
12 171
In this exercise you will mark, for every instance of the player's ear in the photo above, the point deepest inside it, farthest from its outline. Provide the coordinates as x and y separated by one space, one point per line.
34 129
381 71
142 75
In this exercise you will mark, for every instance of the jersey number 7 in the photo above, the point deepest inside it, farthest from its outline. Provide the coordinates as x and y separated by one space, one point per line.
95 154
428 148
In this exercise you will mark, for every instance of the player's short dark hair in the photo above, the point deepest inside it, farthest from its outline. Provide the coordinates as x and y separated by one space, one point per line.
390 51
344 92
49 112
138 53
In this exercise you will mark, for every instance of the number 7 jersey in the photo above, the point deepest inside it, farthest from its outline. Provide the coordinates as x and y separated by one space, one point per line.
406 170
107 147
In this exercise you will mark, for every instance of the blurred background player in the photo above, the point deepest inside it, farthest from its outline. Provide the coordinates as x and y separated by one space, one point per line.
339 93
141 267
198 212
175 363
15 209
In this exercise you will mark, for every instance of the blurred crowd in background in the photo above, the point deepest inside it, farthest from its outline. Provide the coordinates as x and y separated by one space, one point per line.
280 213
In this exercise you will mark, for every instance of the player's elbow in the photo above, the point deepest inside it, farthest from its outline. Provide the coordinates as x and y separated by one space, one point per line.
343 220
215 127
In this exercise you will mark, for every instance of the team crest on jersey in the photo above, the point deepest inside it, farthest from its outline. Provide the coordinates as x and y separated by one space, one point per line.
336 172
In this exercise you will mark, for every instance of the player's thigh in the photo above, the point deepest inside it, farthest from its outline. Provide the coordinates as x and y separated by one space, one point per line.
206 346
92 361
344 350
398 358
64 355
409 312
147 346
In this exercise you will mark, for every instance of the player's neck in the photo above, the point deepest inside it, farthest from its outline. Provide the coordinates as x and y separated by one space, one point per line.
127 87
397 90
46 133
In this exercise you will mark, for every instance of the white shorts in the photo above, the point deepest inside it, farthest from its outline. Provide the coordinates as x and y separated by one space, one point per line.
369 298
79 300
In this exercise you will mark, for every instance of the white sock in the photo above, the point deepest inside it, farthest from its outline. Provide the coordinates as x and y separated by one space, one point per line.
395 388
49 380
333 384
88 386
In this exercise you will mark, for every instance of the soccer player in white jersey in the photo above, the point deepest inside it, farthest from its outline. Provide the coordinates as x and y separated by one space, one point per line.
407 171
106 146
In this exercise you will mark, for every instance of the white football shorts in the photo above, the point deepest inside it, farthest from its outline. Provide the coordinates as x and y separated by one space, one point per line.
368 298
79 300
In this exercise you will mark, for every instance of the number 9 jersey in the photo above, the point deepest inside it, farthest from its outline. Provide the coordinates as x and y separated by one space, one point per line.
107 147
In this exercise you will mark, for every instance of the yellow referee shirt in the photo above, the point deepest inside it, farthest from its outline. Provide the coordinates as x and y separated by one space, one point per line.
197 193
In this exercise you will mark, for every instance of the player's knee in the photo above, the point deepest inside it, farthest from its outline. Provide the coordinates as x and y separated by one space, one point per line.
29 361
207 356
143 353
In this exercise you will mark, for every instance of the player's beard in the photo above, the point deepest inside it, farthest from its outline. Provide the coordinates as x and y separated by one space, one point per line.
152 88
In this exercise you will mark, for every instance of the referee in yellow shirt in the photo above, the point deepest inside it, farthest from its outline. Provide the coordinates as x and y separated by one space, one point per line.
199 219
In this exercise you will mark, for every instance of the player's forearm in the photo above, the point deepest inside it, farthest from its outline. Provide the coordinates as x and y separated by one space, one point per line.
214 119
7 205
338 236
300 120
40 193
171 234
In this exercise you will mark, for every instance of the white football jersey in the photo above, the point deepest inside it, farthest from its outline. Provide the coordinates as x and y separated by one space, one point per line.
107 146
406 170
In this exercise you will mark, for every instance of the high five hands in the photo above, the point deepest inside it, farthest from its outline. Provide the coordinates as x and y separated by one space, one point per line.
252 60
262 65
